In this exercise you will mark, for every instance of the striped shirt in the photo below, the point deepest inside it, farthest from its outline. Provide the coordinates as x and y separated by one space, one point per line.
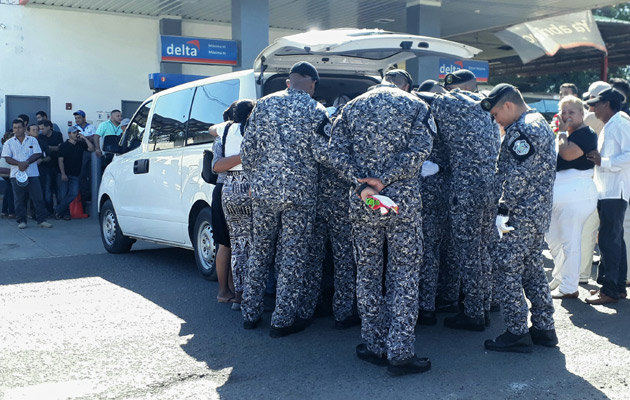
22 152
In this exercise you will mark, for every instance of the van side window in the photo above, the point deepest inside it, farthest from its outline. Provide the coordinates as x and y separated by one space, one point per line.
207 109
135 130
168 123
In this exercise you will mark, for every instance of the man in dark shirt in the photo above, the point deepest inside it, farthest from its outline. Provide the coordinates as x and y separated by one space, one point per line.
49 169
70 160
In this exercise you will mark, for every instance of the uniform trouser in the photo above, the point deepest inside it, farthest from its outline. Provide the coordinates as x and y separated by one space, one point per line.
472 228
589 239
434 220
613 266
289 227
21 195
448 274
574 199
237 206
518 264
388 320
334 224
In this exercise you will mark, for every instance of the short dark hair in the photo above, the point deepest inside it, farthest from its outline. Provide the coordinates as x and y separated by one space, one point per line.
17 121
513 96
622 85
615 105
42 114
571 86
113 111
25 118
46 122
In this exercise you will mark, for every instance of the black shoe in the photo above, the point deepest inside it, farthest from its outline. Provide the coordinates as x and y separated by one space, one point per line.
413 365
541 337
269 302
426 318
249 325
349 322
509 342
298 326
366 355
486 318
446 306
495 307
462 321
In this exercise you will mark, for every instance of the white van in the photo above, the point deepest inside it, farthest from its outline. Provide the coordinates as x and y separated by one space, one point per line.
152 190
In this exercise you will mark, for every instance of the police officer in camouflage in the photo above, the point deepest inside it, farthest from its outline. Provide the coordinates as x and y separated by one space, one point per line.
379 143
525 177
332 223
473 140
278 156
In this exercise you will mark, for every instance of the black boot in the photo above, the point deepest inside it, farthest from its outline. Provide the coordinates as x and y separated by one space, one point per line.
298 326
447 306
251 324
547 338
486 317
426 318
508 342
349 322
462 321
413 365
366 355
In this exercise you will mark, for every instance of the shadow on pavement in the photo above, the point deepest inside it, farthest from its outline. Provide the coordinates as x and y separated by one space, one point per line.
320 362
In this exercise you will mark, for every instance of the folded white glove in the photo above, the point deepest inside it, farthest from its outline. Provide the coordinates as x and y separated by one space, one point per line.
502 226
429 168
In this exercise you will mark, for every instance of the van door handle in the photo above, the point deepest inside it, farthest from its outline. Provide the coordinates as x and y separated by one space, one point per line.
141 166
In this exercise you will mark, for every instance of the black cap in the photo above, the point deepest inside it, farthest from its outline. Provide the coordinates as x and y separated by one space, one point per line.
306 69
427 85
496 94
612 95
459 76
393 72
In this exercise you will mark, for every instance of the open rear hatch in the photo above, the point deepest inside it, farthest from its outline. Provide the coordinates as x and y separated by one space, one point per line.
354 51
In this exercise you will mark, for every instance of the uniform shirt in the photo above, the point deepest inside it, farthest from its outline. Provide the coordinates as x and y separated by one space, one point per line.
527 170
612 178
586 139
89 129
282 144
21 152
439 153
108 128
385 133
72 156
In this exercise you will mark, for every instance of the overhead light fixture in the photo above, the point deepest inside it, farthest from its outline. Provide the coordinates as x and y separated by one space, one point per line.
432 3
477 11
384 20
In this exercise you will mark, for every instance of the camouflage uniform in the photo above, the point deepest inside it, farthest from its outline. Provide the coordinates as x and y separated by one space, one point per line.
434 193
278 155
526 173
473 140
385 134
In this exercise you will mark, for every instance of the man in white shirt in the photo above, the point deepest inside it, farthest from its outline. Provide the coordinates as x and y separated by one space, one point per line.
22 153
612 177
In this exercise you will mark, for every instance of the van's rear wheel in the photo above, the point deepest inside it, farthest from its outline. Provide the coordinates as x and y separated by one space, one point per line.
113 239
205 249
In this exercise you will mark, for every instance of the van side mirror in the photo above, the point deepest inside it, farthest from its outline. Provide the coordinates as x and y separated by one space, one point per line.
111 144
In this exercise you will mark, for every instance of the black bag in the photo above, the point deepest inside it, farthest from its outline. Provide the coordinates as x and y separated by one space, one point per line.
207 174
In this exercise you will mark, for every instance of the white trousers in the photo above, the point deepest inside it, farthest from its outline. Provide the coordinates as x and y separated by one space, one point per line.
589 239
575 199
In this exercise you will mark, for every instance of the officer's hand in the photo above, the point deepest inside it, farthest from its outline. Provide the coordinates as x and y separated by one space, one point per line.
368 191
502 225
594 157
374 182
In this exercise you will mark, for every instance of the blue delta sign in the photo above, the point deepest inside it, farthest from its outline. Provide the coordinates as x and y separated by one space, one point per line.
198 50
479 68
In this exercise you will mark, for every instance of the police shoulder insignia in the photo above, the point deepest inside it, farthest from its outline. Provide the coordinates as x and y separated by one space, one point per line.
432 125
324 128
520 146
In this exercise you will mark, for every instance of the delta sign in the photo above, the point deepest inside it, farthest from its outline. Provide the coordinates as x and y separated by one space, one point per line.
479 68
198 50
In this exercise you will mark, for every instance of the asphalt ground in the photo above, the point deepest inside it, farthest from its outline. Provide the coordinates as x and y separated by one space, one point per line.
79 323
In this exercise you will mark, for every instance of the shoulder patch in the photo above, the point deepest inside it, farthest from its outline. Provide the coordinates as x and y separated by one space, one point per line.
520 146
324 128
430 122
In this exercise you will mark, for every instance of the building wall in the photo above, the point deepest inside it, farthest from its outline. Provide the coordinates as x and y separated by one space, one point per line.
90 59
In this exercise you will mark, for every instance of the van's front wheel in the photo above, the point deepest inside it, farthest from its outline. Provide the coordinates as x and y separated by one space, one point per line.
205 249
113 239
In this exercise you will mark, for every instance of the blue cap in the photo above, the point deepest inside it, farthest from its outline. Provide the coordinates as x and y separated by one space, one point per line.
73 129
79 112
